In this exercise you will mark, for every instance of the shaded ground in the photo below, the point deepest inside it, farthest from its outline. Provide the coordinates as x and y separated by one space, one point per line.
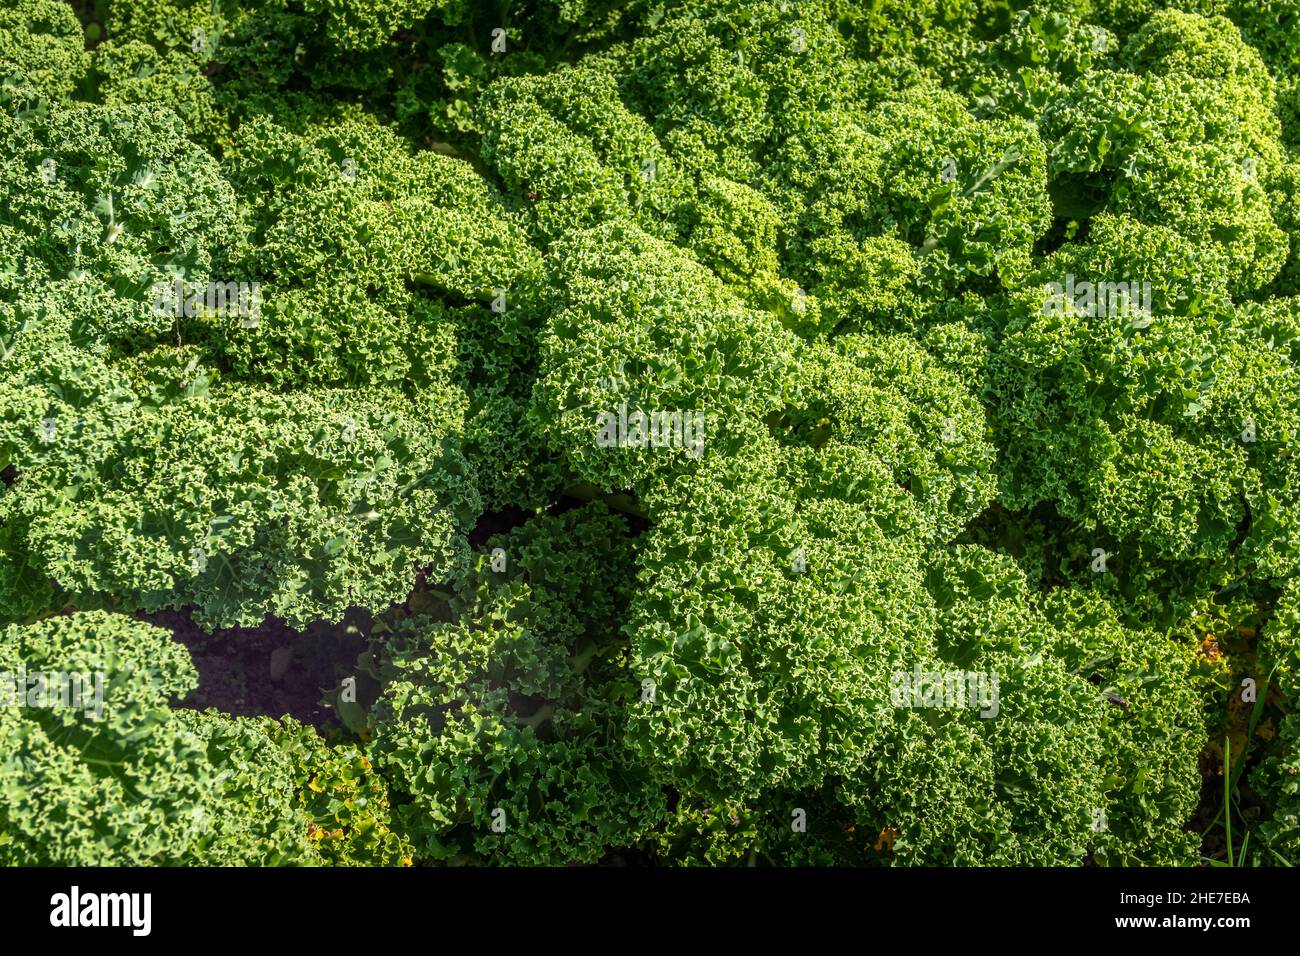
270 670
496 522
1252 748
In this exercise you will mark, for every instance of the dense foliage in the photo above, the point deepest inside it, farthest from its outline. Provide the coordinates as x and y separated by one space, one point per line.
755 432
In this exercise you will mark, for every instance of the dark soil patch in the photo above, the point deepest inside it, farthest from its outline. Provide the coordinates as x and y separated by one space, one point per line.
1207 820
1238 645
270 670
273 670
496 522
